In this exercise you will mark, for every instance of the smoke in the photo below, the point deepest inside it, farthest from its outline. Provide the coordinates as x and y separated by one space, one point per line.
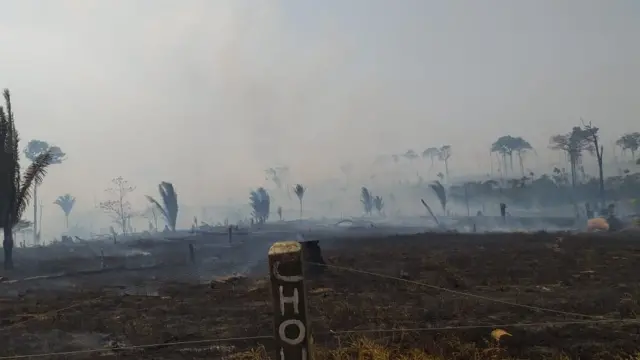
207 94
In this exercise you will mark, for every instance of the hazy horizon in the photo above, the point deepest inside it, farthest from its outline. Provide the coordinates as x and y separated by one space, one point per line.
207 94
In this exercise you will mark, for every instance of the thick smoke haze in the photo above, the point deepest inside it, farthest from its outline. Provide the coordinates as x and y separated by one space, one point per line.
207 94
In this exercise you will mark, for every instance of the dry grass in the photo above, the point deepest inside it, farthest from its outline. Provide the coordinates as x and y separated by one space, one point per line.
594 276
368 349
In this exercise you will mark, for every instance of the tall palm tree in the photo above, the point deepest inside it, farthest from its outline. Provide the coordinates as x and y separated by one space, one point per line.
34 149
366 198
444 154
299 190
441 193
15 192
260 201
169 207
66 203
378 203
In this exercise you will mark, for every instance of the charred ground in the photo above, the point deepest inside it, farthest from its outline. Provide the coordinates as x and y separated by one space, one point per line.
590 275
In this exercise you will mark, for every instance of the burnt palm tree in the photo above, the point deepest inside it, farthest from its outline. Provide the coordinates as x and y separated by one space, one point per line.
366 198
66 203
441 193
260 201
34 149
379 204
169 206
299 190
15 191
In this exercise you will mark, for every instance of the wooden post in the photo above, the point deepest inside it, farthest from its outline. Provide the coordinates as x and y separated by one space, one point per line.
466 199
230 234
291 322
192 254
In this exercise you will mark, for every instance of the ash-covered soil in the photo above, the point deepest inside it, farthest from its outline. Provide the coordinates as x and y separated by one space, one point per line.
595 275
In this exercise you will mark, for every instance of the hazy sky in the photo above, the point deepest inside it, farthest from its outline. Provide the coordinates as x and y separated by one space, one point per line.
206 94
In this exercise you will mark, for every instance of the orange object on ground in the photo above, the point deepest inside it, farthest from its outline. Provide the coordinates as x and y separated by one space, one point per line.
597 224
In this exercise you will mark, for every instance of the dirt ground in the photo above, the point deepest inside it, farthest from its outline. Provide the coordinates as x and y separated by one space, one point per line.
497 279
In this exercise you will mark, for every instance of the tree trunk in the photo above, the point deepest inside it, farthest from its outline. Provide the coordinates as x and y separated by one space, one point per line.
491 158
601 174
66 220
8 248
446 169
301 208
521 164
572 160
35 214
504 165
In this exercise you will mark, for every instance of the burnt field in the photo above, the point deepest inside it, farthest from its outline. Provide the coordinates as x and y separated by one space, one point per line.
557 295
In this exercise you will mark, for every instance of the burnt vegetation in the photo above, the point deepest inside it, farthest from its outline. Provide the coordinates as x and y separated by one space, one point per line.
448 292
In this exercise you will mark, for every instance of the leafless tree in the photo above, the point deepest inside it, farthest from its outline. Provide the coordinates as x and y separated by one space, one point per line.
118 207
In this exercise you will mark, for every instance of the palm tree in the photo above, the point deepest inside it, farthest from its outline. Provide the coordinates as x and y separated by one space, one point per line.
34 149
66 203
441 194
15 193
299 190
379 204
366 198
169 209
260 201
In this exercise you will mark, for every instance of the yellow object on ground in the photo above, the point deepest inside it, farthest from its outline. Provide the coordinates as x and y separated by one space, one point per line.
498 333
597 224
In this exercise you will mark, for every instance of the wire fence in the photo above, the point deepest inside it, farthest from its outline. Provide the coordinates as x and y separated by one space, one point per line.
456 292
593 320
333 333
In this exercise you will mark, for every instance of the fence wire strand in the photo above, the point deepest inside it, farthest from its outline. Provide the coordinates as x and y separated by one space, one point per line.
597 319
334 333
460 293
52 312
492 326
137 347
